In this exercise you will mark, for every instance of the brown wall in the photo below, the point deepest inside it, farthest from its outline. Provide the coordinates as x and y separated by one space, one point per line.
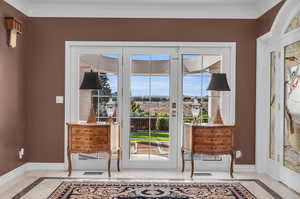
12 123
265 22
45 63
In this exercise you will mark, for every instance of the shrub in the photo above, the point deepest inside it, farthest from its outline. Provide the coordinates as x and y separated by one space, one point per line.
162 124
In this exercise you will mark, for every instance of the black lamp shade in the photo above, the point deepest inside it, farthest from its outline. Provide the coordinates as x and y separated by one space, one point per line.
218 82
90 81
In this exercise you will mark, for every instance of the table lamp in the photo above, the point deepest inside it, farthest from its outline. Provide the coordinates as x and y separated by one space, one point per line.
110 109
195 110
219 83
91 82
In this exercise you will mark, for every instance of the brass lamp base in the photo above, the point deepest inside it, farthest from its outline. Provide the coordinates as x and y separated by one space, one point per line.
92 115
195 121
218 118
110 120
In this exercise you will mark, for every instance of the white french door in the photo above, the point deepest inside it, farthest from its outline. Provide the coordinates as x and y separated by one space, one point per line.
153 86
150 134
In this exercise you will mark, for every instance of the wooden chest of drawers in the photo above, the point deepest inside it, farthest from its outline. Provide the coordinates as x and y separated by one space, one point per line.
93 138
208 139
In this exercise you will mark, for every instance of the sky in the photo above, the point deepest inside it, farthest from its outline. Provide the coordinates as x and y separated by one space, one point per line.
159 85
140 85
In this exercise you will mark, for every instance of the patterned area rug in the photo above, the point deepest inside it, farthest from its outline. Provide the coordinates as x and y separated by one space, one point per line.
114 190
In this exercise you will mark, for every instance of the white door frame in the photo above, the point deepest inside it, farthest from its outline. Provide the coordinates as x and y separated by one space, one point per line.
275 40
71 89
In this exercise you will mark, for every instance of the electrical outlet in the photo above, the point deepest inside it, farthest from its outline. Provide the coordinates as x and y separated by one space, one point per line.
238 154
59 99
21 153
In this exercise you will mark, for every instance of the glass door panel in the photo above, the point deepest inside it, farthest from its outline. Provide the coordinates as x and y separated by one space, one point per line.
149 107
107 67
159 112
196 74
151 131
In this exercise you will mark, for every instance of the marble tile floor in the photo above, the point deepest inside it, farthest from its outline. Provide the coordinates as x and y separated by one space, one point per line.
46 187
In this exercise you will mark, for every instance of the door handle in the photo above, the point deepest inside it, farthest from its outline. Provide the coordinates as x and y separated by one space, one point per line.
173 113
174 105
174 109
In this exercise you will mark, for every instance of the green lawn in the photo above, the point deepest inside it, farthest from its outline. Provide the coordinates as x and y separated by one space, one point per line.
146 136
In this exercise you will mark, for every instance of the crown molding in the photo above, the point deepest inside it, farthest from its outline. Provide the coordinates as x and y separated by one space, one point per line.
141 10
231 9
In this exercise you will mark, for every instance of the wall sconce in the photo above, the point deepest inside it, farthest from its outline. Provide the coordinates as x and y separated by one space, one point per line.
14 28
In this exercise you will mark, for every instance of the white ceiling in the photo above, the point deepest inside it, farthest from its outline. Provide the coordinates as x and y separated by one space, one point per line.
244 9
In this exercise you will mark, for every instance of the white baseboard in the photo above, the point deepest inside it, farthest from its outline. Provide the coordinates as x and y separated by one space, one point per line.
30 166
45 166
13 174
236 167
244 168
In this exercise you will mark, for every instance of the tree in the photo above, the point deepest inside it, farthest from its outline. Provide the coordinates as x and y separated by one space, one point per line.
162 124
135 107
105 87
102 98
